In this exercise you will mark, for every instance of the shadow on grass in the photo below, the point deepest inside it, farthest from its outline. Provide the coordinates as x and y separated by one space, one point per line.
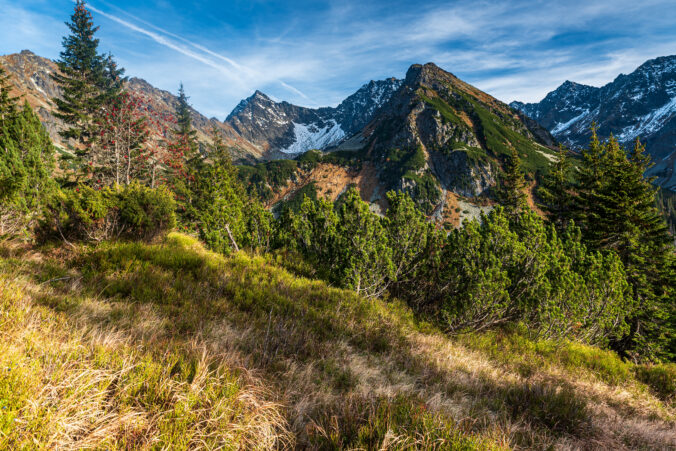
299 322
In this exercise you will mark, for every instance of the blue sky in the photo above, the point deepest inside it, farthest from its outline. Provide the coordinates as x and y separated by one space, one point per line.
316 53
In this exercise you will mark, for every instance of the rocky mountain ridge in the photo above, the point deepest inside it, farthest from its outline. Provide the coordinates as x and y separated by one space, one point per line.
284 130
257 129
641 105
450 131
31 78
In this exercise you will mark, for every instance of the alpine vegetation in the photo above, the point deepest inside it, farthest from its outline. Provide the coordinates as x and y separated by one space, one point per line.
439 274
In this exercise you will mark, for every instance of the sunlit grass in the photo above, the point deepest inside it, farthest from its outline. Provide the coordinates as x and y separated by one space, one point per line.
131 345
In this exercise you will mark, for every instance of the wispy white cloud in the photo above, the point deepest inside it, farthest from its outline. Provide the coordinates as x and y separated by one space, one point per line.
518 49
245 77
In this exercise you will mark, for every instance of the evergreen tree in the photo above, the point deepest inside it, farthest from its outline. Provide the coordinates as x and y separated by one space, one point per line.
511 191
409 231
666 204
187 135
113 80
363 249
26 164
88 81
615 208
224 216
494 272
588 183
555 192
7 102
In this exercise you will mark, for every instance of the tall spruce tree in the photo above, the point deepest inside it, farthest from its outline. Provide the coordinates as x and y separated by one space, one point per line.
185 132
615 207
555 192
88 80
511 190
589 181
187 160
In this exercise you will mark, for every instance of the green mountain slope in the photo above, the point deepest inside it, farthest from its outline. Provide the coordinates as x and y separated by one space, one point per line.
170 346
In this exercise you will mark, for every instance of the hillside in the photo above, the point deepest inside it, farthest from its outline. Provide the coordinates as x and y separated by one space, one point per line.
168 345
641 104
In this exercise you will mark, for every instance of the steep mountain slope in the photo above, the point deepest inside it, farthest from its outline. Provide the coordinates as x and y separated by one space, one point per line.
283 129
437 137
137 346
30 76
641 104
438 134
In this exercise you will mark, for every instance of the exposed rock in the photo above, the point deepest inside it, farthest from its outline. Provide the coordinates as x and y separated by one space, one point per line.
458 173
641 104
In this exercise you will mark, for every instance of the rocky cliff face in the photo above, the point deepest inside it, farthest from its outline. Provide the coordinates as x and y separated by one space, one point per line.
639 105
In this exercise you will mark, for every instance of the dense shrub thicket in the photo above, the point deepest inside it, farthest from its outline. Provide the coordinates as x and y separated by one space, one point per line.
88 214
479 276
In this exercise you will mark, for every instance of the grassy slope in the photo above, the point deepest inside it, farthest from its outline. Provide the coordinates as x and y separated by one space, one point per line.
133 345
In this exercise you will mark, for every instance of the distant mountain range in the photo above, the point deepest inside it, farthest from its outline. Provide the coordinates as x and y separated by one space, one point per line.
641 104
30 75
257 129
431 133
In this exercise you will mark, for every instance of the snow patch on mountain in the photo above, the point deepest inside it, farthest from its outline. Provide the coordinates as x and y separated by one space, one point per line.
310 136
562 127
650 123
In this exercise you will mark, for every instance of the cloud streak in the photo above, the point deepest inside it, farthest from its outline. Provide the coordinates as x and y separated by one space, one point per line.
236 72
317 53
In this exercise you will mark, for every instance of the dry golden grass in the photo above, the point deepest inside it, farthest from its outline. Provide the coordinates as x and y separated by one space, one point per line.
68 384
238 353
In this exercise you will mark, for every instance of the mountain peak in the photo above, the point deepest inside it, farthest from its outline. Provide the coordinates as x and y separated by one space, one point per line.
573 86
639 104
259 95
418 71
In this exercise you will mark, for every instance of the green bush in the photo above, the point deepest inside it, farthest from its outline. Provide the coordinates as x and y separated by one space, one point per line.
496 272
26 164
88 214
144 212
346 241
